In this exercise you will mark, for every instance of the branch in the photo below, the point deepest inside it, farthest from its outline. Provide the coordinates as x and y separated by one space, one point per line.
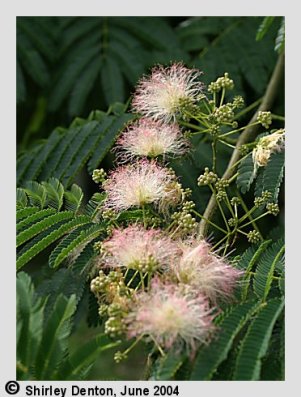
247 135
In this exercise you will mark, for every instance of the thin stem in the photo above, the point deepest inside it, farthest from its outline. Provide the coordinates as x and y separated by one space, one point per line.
238 129
219 242
190 125
158 346
221 210
249 215
233 177
226 144
222 96
133 277
144 216
254 220
213 145
229 206
132 345
277 117
210 222
241 159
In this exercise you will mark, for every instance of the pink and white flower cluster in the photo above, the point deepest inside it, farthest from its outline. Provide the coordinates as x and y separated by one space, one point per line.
182 280
162 95
177 308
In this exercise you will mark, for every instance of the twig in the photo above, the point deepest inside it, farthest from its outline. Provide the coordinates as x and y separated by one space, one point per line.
247 135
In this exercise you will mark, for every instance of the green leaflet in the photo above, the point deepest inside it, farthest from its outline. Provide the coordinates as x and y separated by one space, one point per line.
74 242
61 157
255 343
34 217
25 212
55 193
107 139
266 267
246 174
216 352
264 27
273 175
36 193
54 342
272 364
73 198
280 38
42 225
29 323
248 262
41 243
21 198
166 367
66 281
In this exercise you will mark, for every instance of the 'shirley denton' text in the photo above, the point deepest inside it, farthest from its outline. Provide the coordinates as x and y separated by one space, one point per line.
50 391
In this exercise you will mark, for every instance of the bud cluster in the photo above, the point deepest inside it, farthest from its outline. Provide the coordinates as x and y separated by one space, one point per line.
99 175
264 118
238 102
253 236
273 208
224 114
184 219
208 178
221 82
110 285
264 198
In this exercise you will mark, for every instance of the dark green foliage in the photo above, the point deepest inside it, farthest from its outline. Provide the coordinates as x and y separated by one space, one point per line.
227 44
272 176
280 37
246 174
270 260
65 153
248 262
37 229
211 356
255 343
166 367
42 341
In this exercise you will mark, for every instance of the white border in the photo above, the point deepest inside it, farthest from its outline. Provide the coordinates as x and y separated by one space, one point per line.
9 11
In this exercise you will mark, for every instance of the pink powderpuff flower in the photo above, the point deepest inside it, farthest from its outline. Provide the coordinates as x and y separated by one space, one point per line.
171 316
162 95
205 271
137 248
150 138
140 183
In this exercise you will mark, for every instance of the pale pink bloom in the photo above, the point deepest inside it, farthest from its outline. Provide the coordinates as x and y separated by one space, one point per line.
140 183
150 138
138 248
205 271
163 94
171 316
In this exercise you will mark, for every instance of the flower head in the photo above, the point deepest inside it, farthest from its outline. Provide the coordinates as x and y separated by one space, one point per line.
163 94
137 248
140 183
150 138
171 316
266 146
205 271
